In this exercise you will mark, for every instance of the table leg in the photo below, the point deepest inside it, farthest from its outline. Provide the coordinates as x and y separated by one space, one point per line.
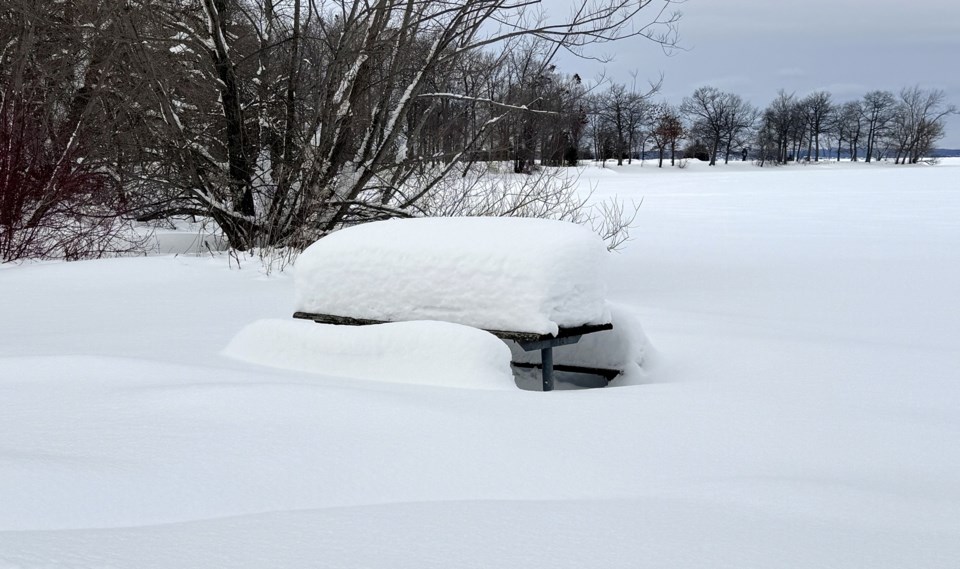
546 357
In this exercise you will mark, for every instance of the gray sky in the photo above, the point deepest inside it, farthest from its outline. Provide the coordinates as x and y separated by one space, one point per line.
847 47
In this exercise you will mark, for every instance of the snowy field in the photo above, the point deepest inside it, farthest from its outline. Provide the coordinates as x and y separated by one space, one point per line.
801 410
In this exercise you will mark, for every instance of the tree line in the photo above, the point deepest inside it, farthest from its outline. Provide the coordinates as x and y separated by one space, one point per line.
713 125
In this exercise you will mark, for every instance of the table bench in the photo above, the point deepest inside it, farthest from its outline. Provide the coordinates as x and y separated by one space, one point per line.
528 341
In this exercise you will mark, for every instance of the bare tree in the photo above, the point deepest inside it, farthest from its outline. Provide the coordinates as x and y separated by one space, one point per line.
544 193
918 123
707 109
718 118
60 189
818 107
768 146
640 121
323 110
846 125
878 110
615 108
779 127
739 119
622 111
602 136
667 132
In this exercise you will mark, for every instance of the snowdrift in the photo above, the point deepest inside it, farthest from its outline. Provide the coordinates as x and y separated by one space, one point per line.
432 353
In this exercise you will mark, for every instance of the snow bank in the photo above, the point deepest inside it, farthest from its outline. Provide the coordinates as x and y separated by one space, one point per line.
531 275
423 352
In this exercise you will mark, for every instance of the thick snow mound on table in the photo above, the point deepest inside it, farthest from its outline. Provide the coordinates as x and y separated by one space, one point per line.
423 352
518 274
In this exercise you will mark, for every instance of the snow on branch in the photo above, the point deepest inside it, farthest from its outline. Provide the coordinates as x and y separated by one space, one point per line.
459 97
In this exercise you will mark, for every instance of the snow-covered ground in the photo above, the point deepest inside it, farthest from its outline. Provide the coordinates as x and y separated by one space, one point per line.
802 410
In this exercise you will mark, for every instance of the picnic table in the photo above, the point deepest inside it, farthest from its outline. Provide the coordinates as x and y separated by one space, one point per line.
535 282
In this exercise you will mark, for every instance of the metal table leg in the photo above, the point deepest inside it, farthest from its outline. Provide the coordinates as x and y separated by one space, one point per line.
546 358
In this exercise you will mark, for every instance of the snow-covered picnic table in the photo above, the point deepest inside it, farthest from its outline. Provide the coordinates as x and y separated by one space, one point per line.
533 281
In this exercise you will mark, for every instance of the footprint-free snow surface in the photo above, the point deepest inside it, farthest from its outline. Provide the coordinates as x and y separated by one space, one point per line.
801 406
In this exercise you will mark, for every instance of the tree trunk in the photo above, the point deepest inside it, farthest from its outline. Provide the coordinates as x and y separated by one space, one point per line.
239 164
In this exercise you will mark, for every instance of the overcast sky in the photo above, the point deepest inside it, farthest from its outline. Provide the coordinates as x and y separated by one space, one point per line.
847 47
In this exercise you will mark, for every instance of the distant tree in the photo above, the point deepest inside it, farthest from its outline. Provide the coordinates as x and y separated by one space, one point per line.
798 128
565 134
623 111
615 107
878 111
779 129
817 107
740 119
667 132
718 119
845 121
646 115
640 114
532 88
601 134
707 109
768 146
918 123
